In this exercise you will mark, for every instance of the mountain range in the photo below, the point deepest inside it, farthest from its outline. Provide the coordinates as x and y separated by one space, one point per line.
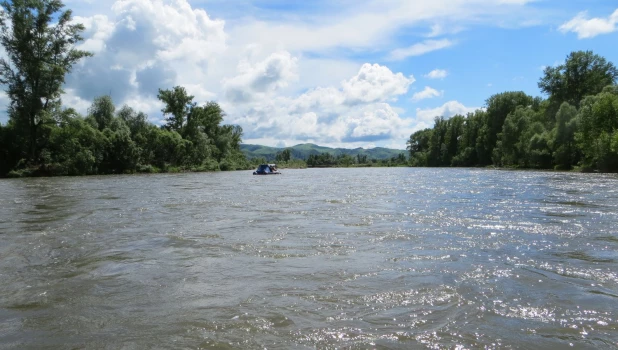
303 151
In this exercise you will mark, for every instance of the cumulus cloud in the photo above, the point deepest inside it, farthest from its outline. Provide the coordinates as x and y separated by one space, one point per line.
447 110
253 80
420 48
436 74
375 83
144 45
356 112
590 27
375 122
428 92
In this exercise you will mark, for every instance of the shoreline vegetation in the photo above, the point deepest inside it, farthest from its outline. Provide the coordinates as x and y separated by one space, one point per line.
575 128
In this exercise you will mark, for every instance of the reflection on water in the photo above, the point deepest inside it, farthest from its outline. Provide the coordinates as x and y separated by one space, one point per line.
334 258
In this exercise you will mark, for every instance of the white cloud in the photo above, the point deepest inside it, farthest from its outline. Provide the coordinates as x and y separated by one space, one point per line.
255 80
375 83
436 74
98 29
372 24
440 30
590 27
420 48
372 122
447 110
428 92
144 45
356 113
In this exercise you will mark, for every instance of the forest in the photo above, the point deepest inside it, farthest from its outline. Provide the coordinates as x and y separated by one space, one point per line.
576 127
44 138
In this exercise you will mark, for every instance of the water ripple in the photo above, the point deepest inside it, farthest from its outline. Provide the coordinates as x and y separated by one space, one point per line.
316 258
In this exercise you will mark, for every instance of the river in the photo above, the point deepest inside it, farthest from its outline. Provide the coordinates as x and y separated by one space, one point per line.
387 258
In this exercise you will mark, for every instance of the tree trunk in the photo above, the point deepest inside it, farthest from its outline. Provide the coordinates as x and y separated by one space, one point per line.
33 130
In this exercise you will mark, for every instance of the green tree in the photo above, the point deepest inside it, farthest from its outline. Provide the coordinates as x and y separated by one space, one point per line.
101 112
208 118
499 106
361 158
178 104
284 156
121 153
6 163
582 74
345 160
511 146
566 153
418 147
467 152
535 142
598 117
77 148
40 47
454 132
136 121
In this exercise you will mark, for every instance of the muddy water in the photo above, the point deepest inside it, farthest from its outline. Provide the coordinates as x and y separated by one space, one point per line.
336 258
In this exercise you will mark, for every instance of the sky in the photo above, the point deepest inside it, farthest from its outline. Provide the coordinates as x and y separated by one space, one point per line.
347 73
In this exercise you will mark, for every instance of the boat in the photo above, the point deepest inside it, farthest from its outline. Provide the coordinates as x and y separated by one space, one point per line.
266 169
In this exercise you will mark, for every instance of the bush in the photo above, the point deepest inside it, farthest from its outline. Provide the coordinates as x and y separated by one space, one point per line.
147 169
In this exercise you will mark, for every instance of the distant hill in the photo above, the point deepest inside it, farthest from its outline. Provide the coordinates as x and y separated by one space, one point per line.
303 151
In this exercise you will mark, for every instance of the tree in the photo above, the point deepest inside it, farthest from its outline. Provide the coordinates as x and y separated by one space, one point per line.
582 74
76 146
284 156
511 146
178 104
362 158
598 117
39 55
101 112
565 152
136 121
418 147
467 152
499 106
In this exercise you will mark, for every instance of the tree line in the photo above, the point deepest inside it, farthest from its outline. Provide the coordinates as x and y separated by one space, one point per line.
575 127
286 159
325 160
44 138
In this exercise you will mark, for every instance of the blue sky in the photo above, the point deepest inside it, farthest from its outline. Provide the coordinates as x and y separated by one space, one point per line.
336 73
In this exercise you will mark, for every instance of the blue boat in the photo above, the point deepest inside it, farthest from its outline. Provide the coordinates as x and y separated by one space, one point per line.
266 169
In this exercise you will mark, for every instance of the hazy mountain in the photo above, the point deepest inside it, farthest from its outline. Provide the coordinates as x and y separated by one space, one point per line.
303 151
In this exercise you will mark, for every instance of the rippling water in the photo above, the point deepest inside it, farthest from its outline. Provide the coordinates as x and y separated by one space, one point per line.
337 258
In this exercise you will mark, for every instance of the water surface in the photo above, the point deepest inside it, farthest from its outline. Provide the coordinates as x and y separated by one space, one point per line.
319 258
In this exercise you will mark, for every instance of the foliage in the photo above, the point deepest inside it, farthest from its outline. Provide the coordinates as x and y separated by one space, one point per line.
566 154
582 74
178 105
101 113
327 160
39 40
598 118
284 155
125 142
576 127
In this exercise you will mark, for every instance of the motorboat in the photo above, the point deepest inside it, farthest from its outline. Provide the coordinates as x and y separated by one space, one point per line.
266 169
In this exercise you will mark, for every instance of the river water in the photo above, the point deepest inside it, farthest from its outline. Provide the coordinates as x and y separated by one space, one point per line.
387 258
